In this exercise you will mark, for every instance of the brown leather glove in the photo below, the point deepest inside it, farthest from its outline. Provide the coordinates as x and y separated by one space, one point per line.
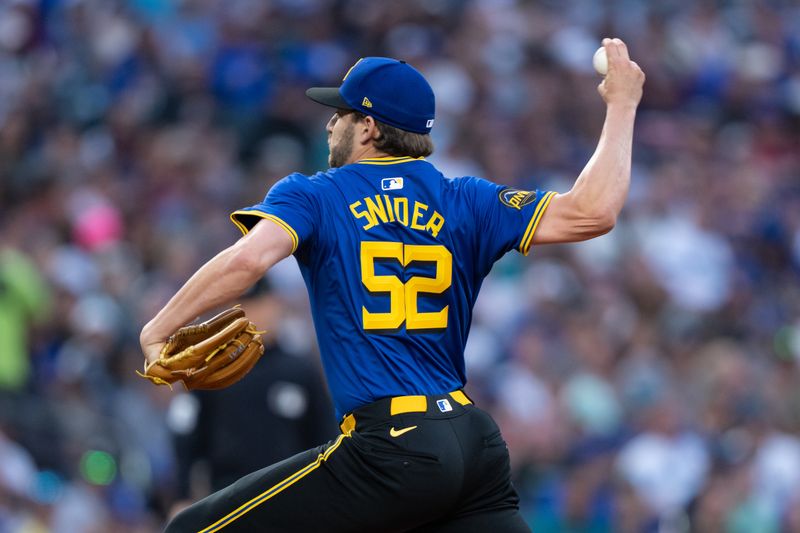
211 355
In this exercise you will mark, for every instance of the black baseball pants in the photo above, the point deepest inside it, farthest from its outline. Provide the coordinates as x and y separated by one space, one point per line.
410 463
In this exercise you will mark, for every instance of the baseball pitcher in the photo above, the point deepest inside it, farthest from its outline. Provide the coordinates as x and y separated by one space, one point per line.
393 254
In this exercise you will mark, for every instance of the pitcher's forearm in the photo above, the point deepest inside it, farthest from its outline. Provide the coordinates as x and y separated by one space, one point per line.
217 282
222 279
603 184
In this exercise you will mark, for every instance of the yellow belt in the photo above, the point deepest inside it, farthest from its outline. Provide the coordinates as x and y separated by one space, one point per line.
404 404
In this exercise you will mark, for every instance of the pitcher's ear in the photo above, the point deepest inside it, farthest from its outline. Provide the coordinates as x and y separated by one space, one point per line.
372 125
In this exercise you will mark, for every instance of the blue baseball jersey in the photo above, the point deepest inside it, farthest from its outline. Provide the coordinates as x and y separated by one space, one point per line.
393 255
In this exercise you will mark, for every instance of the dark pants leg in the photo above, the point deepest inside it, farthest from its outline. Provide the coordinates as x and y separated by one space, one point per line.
232 508
494 522
449 471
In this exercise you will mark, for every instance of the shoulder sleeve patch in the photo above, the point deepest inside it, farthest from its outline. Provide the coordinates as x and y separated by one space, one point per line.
516 198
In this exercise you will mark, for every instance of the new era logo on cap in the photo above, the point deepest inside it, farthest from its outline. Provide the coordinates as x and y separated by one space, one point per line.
366 103
391 184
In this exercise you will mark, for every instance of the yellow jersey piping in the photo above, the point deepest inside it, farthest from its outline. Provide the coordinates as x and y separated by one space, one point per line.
388 160
277 220
527 237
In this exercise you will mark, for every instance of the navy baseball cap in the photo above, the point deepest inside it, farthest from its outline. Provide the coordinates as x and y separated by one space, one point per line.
392 91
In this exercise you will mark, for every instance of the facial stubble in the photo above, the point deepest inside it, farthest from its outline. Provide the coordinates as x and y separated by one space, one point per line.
340 152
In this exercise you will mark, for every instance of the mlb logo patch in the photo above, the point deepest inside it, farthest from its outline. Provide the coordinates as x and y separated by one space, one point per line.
392 184
444 406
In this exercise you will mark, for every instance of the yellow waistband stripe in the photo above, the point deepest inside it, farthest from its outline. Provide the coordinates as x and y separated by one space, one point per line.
460 397
408 404
404 404
272 491
348 424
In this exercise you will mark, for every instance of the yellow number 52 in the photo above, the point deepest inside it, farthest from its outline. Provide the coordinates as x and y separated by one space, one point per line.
403 296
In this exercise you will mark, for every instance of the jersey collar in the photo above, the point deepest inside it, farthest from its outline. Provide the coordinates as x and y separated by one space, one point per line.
388 160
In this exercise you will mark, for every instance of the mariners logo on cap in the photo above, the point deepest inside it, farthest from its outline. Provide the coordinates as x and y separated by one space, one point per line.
392 184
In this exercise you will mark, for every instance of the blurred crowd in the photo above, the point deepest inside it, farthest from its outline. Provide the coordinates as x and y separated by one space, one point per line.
647 380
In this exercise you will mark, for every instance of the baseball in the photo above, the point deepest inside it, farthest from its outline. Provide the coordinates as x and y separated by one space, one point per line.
600 61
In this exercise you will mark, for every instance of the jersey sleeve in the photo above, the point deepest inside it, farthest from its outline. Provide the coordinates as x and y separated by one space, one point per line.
506 218
290 204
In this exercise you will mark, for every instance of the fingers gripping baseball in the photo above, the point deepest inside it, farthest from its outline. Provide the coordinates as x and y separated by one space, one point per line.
624 81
